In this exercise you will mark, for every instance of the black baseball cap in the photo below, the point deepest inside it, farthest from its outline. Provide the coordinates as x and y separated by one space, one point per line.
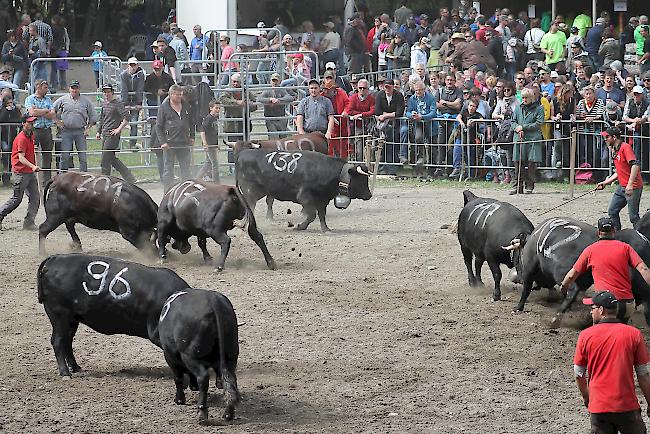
605 224
611 131
602 298
313 80
74 83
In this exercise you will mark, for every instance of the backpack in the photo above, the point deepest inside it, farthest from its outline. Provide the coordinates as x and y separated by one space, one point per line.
584 175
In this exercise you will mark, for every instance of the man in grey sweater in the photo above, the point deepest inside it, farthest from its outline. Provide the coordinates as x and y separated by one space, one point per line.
132 91
75 115
275 101
175 135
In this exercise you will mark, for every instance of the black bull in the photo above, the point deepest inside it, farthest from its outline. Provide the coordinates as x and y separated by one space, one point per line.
550 252
484 226
314 141
111 296
307 178
206 210
98 202
198 332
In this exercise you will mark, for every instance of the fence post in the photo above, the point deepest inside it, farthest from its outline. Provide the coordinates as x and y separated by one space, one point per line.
572 162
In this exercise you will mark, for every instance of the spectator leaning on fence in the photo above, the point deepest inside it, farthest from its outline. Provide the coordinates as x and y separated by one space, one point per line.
315 112
75 114
156 86
389 106
23 163
526 124
132 81
40 105
360 109
175 135
114 117
420 110
97 52
275 101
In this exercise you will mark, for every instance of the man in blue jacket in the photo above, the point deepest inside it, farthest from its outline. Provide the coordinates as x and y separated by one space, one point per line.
592 42
420 109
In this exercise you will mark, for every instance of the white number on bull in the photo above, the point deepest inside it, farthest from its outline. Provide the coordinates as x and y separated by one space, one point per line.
289 165
551 225
102 281
486 209
97 179
168 303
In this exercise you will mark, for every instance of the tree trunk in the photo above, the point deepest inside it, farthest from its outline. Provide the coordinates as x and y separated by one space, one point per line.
91 20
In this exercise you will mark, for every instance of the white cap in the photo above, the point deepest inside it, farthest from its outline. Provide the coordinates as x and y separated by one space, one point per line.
261 25
132 60
554 74
330 65
637 89
97 44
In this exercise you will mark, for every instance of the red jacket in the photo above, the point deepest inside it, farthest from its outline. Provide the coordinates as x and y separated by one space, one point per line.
338 97
370 37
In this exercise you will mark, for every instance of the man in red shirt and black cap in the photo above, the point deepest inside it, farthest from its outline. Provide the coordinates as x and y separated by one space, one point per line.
23 163
610 261
609 352
630 184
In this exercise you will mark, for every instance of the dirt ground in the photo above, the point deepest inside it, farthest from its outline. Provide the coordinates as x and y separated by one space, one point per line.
371 328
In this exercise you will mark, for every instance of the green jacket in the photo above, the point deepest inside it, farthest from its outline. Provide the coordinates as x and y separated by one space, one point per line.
531 118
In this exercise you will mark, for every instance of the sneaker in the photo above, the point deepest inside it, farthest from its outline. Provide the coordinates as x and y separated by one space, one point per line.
438 173
403 160
29 226
455 173
528 191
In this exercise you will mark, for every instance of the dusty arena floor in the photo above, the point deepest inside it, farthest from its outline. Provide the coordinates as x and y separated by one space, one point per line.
371 328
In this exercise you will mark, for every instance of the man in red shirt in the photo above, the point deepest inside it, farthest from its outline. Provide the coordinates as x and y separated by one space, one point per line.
23 163
360 109
609 352
610 261
630 184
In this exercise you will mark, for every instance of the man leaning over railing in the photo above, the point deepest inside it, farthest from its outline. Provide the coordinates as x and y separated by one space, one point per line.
275 101
420 109
389 105
360 109
132 87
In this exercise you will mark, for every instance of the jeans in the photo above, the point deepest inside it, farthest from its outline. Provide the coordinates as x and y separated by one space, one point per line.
172 154
134 116
19 75
423 134
23 183
40 71
211 165
75 136
57 77
620 200
6 162
277 128
263 71
110 144
43 139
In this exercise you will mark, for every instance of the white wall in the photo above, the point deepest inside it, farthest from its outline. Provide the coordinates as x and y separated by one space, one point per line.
210 14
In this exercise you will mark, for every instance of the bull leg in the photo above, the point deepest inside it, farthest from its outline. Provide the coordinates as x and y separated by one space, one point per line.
194 385
203 245
310 216
228 380
322 210
571 295
496 274
203 377
76 242
162 241
528 286
259 240
224 241
44 230
71 361
269 207
467 257
60 333
178 371
478 265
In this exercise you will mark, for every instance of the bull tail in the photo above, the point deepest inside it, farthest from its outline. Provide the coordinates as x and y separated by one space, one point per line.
228 378
46 188
42 269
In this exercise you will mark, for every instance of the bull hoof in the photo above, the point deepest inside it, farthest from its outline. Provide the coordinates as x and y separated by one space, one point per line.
179 401
66 377
74 247
271 265
517 311
161 261
219 269
228 415
203 416
76 368
300 228
556 322
496 297
207 259
325 229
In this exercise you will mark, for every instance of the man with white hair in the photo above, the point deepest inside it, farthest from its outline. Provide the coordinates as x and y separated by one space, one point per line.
420 109
360 109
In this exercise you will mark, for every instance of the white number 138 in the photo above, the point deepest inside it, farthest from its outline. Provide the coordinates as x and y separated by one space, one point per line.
284 161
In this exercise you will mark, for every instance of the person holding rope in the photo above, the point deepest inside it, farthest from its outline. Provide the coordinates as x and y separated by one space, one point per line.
609 261
23 163
630 183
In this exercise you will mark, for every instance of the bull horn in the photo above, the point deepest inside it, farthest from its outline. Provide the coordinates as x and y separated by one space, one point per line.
514 245
361 172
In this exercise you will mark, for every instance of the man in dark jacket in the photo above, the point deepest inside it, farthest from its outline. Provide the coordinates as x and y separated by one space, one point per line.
355 46
156 86
112 120
389 105
592 42
175 135
132 85
495 47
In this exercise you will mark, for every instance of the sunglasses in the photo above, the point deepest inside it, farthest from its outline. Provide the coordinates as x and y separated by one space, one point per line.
646 79
362 87
507 90
521 78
